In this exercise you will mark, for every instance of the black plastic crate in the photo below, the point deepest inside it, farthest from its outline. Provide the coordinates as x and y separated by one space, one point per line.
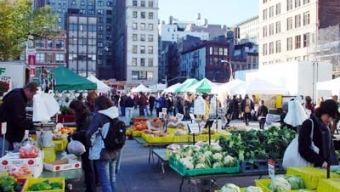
259 166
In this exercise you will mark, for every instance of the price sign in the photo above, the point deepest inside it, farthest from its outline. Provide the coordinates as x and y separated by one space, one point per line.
161 115
271 168
194 128
164 110
179 116
3 128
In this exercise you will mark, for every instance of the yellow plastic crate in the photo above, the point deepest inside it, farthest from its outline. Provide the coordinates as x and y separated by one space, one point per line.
202 137
329 185
310 175
49 154
180 139
136 133
128 132
60 145
171 130
155 139
264 185
31 181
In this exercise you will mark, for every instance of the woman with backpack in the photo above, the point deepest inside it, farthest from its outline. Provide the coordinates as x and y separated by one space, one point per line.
83 120
104 159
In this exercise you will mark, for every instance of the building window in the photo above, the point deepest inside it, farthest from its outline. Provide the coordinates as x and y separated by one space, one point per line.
134 37
100 3
298 42
134 3
150 62
297 3
265 49
278 46
278 27
264 14
289 23
142 49
265 1
278 9
40 57
289 43
150 49
49 58
150 27
265 31
134 14
142 26
289 5
142 15
100 11
149 75
306 1
134 26
59 58
59 44
306 18
150 15
142 37
142 3
142 62
40 44
134 61
150 3
305 58
306 39
271 11
134 49
271 29
73 2
271 48
297 21
150 38
50 44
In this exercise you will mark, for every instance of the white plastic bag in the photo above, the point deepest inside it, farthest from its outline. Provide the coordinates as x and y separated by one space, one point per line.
292 157
76 147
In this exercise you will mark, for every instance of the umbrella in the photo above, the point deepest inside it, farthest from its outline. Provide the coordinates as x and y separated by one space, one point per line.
172 88
225 88
101 86
203 86
187 83
259 86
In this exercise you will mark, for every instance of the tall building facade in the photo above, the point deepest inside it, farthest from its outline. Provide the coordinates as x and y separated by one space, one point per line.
137 42
249 29
289 28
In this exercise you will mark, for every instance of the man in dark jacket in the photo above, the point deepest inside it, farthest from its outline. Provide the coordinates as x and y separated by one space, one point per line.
262 112
13 111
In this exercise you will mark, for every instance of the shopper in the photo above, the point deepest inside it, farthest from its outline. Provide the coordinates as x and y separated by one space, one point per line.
13 111
247 106
319 123
104 159
83 120
91 96
129 107
261 114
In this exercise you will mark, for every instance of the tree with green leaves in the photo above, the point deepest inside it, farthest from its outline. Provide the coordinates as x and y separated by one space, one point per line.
18 21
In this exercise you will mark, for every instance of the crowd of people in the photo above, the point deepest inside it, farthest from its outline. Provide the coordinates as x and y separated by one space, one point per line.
101 165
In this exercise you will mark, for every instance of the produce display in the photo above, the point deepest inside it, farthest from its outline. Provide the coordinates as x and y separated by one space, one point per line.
28 151
230 187
45 185
20 172
65 130
257 144
10 184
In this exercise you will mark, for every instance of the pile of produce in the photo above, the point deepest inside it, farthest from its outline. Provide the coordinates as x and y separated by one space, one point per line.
156 133
204 156
20 172
257 144
281 183
10 184
230 187
173 122
28 151
45 185
64 130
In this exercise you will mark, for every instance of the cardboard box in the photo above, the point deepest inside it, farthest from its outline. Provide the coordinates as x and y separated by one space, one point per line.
62 165
13 159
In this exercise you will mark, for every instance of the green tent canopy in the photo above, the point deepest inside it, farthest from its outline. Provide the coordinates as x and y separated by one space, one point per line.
69 80
203 86
187 83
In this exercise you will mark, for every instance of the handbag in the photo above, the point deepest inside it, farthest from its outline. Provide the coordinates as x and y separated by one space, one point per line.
292 157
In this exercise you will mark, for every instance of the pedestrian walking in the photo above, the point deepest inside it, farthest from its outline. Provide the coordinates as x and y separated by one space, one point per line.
262 112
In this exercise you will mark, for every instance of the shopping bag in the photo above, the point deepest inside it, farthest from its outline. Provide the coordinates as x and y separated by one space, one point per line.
292 157
76 147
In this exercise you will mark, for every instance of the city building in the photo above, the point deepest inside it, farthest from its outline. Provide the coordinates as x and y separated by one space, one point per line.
249 30
136 45
289 28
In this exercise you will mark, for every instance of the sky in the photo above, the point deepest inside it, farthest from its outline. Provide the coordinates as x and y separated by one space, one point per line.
223 12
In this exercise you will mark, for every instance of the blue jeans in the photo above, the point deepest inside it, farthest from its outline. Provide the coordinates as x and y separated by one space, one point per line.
106 171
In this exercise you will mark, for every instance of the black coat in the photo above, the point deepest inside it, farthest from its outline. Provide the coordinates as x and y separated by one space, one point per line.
322 139
14 111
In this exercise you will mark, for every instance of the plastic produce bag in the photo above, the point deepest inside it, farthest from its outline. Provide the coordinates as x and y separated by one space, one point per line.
296 113
76 147
28 151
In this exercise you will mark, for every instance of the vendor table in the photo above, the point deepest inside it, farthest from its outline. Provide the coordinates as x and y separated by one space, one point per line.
161 154
213 177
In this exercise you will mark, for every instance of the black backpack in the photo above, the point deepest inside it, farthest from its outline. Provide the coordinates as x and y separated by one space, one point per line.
115 138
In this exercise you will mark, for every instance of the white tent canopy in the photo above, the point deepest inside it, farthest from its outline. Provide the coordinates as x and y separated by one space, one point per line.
141 88
172 88
259 86
329 85
101 86
225 87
